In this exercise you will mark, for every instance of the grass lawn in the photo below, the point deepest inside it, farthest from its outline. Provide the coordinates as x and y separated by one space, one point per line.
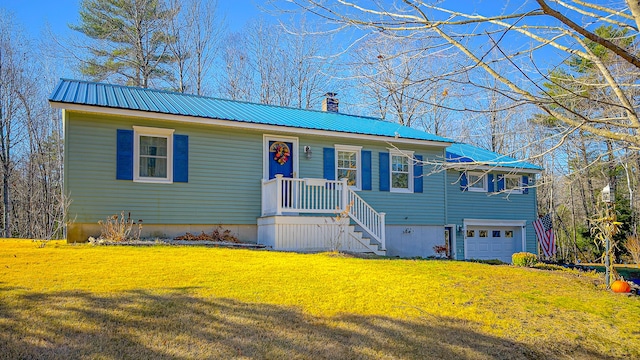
80 301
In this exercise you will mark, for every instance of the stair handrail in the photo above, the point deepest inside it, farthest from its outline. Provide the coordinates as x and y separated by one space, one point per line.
365 215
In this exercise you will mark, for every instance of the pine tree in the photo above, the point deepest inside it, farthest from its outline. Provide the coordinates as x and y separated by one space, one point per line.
129 40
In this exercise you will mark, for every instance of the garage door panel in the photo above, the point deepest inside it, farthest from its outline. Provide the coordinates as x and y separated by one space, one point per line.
494 246
472 246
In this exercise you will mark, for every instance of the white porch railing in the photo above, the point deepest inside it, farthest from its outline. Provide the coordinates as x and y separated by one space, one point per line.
289 196
367 217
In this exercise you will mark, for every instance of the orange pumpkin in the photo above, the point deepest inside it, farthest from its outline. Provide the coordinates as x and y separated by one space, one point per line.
620 286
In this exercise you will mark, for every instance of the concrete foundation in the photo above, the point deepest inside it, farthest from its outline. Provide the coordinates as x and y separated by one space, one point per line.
413 240
80 232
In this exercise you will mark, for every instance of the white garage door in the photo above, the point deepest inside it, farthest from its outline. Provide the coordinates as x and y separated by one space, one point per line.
490 242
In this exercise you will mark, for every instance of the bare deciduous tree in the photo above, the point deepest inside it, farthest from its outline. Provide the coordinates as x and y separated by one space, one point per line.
393 74
13 86
525 35
273 65
30 140
196 31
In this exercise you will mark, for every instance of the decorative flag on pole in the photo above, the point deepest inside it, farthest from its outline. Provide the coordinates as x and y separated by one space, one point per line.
544 232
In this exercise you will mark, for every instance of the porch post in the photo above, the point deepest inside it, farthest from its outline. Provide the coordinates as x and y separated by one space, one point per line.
345 194
278 194
383 231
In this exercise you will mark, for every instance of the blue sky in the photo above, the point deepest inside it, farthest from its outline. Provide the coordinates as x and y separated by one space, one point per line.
33 14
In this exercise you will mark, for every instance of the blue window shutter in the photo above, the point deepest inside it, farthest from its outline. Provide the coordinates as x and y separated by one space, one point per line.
463 181
124 155
417 174
180 158
366 169
500 182
525 184
384 172
329 163
490 183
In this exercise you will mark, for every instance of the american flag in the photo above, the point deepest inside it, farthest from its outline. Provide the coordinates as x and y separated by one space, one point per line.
544 232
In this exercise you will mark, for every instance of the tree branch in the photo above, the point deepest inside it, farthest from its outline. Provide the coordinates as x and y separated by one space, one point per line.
630 58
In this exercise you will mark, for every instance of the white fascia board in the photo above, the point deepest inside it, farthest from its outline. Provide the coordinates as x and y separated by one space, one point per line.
238 124
493 222
476 167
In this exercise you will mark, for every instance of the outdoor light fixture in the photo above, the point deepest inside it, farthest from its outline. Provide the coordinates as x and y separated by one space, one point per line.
460 227
307 151
606 194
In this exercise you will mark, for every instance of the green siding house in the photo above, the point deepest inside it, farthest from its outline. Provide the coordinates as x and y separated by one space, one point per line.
290 179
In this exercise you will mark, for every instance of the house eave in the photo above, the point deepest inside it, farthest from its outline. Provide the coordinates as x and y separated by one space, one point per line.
237 124
493 222
481 167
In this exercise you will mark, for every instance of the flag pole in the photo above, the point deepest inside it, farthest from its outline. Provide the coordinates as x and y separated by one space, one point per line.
608 198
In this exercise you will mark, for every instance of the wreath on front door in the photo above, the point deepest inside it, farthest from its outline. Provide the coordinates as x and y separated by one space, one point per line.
282 152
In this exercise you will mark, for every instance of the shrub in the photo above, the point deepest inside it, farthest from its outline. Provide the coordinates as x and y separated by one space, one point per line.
488 262
524 259
633 247
441 250
218 234
119 228
552 267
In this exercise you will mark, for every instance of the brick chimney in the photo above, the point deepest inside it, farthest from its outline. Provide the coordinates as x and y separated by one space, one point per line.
330 102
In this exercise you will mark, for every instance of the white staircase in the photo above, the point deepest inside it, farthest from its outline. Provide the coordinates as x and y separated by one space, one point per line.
371 245
289 199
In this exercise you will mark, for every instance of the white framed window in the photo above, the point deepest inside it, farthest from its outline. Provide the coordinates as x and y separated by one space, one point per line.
152 154
401 170
513 184
349 165
476 181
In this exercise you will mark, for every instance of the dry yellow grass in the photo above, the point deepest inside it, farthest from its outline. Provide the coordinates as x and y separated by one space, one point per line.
79 301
